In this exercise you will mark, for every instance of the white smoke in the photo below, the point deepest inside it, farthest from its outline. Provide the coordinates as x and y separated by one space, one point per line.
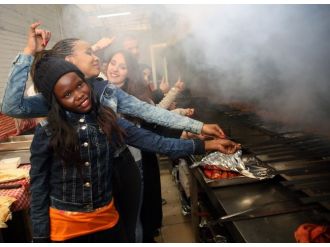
274 56
277 56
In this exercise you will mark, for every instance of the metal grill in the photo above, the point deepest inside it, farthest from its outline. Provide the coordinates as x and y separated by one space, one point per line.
301 159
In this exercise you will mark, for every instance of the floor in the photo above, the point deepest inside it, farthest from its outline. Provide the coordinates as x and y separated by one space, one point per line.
174 221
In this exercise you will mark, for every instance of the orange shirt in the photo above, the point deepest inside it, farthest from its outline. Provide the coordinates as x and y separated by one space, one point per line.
66 224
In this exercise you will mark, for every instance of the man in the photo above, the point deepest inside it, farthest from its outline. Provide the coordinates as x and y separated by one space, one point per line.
131 44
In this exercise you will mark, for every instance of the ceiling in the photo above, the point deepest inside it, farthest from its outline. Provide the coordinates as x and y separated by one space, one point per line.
138 20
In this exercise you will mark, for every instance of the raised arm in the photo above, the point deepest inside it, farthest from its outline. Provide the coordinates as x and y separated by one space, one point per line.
169 98
171 95
14 103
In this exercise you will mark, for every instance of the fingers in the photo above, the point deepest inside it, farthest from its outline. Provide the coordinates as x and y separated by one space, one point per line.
33 27
227 146
179 85
213 130
44 34
190 112
227 149
221 132
48 36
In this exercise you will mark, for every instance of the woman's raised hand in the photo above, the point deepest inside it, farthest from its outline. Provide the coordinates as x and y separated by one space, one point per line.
164 86
179 85
103 43
37 39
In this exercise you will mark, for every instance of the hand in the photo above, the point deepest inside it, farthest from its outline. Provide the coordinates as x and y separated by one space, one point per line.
213 130
172 106
189 135
223 145
102 43
189 112
37 39
152 86
179 85
164 86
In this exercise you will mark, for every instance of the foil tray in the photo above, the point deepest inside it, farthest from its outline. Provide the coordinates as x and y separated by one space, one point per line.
249 160
226 181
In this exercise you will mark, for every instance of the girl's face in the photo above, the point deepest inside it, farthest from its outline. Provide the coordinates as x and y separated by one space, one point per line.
117 70
73 93
84 58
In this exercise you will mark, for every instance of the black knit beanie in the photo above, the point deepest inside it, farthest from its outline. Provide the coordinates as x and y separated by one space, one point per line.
48 71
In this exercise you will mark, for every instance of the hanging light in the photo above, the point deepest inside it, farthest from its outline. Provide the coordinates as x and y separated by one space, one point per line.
113 15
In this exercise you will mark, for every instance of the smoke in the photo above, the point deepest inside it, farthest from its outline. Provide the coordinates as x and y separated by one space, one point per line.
276 56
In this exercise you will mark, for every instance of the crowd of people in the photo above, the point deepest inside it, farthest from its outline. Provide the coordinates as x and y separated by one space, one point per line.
94 170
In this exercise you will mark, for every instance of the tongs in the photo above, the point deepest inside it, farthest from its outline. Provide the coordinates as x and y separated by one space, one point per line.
263 210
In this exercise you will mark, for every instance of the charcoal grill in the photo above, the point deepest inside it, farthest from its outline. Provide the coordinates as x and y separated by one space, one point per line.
300 160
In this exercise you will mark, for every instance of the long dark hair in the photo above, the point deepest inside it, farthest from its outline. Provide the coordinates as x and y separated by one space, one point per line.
64 139
134 84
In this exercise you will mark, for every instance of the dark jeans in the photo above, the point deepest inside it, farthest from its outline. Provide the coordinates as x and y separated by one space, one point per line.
126 190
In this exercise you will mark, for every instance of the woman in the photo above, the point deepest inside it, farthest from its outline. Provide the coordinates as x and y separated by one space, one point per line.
123 71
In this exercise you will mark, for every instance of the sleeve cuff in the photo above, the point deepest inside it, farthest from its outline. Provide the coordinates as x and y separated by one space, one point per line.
196 126
23 58
199 146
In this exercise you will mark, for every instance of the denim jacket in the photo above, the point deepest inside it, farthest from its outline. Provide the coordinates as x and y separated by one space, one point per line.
14 103
60 186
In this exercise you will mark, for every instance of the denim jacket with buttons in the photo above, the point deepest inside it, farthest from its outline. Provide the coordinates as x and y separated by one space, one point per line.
14 103
64 187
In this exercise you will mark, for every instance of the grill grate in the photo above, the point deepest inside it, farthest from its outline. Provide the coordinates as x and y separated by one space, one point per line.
302 159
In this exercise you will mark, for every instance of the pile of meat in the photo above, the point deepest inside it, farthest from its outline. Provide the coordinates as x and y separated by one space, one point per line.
214 172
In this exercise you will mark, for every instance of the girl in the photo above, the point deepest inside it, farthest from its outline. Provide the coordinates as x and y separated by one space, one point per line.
123 71
71 157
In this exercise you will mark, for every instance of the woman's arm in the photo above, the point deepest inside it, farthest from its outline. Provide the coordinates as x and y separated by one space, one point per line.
151 142
169 98
172 94
148 141
122 102
14 103
41 159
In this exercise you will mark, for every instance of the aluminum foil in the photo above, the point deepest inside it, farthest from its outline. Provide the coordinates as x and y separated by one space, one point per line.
248 166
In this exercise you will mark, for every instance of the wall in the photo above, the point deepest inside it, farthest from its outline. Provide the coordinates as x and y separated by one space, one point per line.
14 23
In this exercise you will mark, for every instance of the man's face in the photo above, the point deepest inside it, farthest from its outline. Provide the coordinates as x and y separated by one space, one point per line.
132 45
